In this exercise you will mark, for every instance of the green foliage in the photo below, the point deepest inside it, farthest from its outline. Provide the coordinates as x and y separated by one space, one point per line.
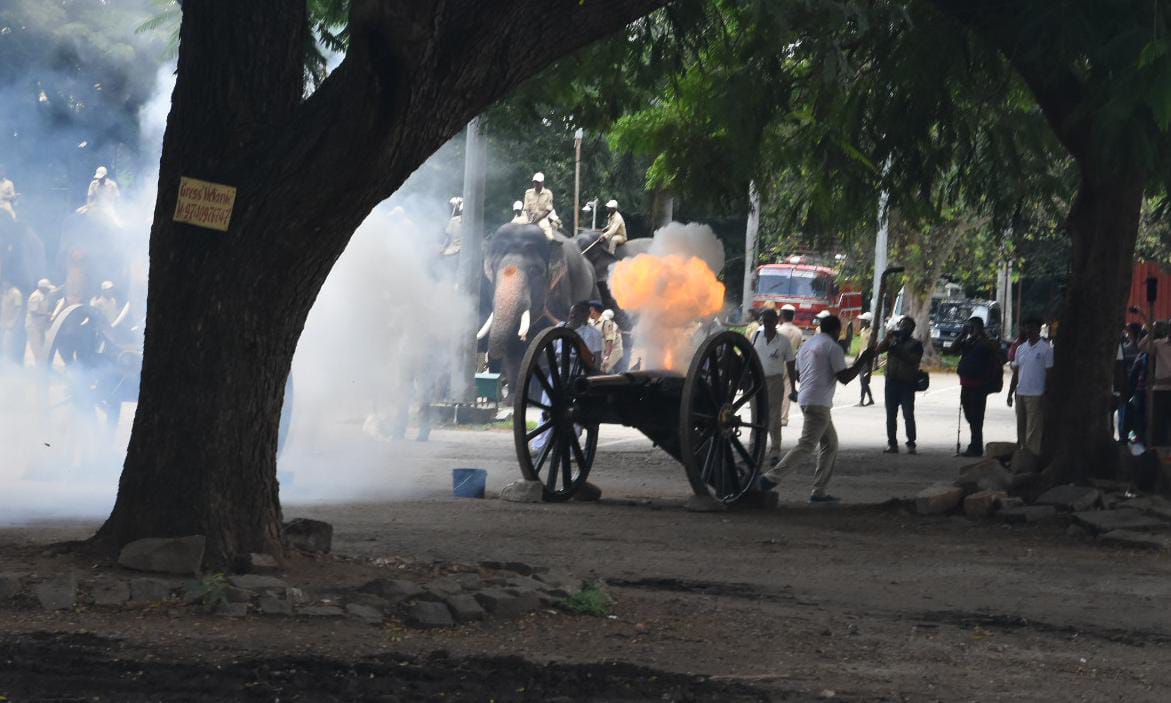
210 592
590 600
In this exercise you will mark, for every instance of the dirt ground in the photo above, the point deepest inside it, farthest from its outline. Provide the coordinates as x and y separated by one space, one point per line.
864 601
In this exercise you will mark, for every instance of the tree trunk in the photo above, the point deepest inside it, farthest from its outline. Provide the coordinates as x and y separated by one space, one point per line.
1103 225
225 310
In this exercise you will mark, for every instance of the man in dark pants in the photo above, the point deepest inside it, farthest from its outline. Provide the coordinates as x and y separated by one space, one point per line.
903 354
981 371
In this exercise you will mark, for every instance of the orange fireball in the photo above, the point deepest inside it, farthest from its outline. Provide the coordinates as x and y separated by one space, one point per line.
669 294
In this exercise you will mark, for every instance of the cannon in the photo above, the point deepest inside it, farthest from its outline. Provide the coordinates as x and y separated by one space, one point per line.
712 420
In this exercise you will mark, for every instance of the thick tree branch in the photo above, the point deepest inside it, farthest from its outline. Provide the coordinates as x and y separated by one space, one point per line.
1055 87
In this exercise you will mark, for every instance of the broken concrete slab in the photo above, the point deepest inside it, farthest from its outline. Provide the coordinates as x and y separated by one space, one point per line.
168 555
309 535
465 608
1157 506
366 613
148 590
523 492
1121 519
321 611
1001 451
271 605
393 590
982 503
232 610
257 582
1138 540
986 475
110 592
587 492
1071 497
428 614
58 593
938 499
1024 462
1028 513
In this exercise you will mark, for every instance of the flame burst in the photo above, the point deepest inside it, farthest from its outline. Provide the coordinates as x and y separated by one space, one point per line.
670 294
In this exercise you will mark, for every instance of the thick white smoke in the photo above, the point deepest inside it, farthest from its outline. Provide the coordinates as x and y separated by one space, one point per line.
378 341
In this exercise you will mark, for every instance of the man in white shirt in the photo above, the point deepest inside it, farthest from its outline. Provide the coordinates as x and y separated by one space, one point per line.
778 360
1030 367
821 364
796 339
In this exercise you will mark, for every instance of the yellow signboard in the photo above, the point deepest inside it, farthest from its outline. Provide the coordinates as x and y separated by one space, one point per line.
205 204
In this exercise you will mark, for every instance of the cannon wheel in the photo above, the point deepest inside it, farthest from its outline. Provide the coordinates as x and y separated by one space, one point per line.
553 452
725 378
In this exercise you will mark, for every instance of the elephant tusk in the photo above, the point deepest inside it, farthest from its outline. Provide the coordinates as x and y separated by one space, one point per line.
524 325
484 330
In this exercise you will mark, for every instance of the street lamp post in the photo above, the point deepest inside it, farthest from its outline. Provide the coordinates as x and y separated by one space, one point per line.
577 136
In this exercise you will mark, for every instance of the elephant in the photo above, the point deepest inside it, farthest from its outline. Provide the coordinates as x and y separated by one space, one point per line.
534 281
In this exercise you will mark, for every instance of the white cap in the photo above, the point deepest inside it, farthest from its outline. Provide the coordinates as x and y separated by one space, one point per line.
539 177
107 285
518 205
455 200
866 316
101 172
608 314
788 307
823 314
612 203
44 283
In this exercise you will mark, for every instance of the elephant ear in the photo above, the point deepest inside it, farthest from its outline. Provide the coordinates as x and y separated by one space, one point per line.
489 270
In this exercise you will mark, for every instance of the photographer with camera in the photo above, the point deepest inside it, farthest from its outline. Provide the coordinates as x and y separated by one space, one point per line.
903 355
981 372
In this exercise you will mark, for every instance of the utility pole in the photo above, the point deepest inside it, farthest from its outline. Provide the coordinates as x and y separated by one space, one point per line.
880 252
577 180
750 238
471 263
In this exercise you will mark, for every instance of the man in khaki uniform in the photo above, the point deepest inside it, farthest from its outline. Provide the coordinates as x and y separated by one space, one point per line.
106 302
611 336
538 204
40 315
615 232
518 214
796 338
7 194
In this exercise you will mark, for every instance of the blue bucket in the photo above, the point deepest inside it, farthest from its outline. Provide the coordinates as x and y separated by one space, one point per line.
468 483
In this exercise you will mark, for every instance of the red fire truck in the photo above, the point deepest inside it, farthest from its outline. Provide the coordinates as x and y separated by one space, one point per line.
810 285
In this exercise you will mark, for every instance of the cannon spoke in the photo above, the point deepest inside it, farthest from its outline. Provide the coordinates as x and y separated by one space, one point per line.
539 429
744 455
548 447
578 454
540 376
554 375
551 478
566 469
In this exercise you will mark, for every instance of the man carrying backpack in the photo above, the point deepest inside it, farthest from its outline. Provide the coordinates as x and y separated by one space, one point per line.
981 372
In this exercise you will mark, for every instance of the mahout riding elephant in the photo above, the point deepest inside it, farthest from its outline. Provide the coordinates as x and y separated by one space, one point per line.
534 281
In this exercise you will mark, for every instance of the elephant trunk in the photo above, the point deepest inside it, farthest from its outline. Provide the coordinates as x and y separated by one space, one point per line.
510 311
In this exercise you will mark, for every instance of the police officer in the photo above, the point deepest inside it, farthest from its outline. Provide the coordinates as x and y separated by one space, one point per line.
615 232
538 204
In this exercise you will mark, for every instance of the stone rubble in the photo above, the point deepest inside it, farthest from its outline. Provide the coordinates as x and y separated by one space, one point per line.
168 555
523 492
312 536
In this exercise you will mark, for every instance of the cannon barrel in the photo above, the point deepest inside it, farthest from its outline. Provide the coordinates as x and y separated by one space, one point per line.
596 385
